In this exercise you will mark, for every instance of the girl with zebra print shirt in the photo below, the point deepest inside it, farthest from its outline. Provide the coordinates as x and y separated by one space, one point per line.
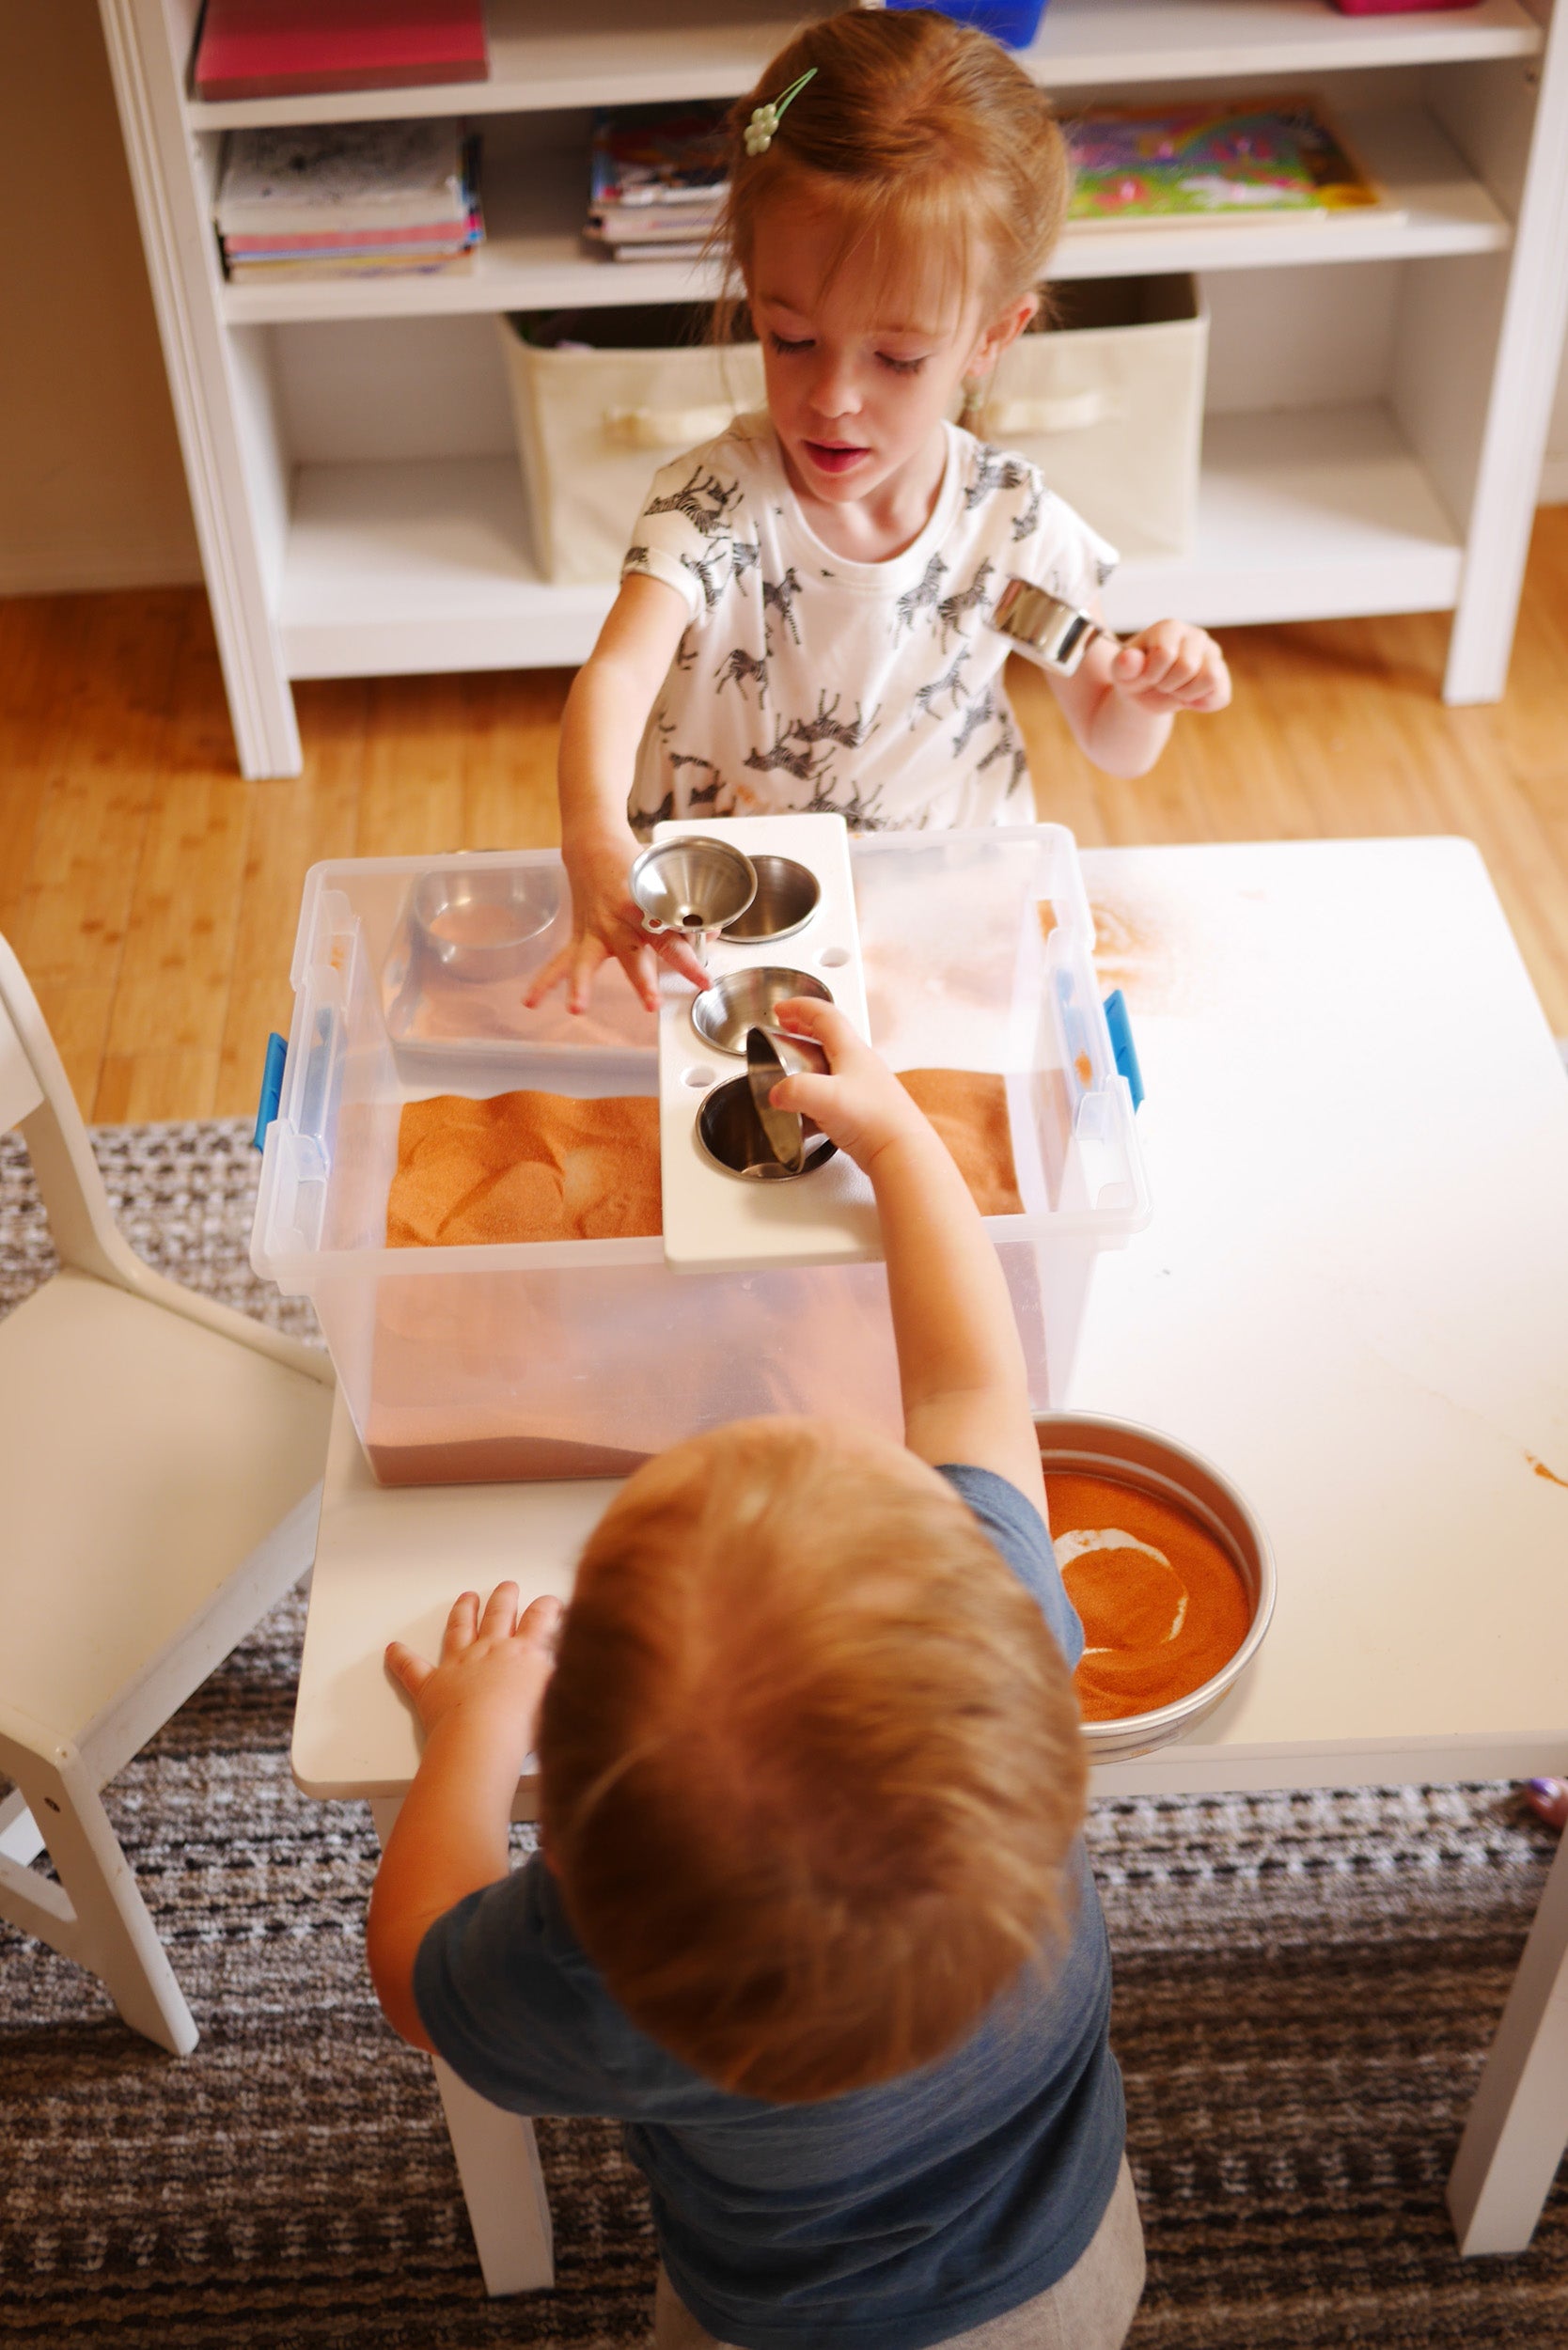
801 621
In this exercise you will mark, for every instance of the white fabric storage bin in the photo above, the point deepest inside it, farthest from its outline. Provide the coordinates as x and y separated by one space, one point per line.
1107 401
594 426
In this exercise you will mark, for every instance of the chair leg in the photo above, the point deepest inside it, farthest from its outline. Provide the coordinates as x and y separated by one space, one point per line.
497 2161
21 1837
100 1918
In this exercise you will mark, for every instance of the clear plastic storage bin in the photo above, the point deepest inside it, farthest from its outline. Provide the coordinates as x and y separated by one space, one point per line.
579 1358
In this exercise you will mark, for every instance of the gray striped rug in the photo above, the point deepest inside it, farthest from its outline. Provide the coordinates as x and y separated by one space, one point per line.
1305 1985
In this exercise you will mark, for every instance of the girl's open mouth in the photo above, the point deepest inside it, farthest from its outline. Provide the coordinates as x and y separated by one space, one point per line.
831 459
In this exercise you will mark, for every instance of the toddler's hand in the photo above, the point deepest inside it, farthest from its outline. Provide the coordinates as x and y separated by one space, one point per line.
605 922
495 1661
1171 667
860 1105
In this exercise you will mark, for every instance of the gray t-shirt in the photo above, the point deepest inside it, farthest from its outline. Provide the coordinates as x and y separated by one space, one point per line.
892 2218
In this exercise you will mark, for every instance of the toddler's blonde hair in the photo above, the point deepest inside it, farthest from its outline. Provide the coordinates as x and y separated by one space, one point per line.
925 135
810 1762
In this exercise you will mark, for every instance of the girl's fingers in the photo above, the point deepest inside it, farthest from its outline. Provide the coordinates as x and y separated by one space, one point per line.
638 964
587 954
544 982
679 954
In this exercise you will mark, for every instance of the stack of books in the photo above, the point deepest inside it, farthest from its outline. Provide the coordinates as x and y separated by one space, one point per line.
657 181
349 199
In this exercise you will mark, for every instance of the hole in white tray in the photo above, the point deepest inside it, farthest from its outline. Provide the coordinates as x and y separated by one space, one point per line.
699 1076
833 958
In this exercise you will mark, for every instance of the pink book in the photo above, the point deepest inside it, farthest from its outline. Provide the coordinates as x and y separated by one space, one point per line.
286 48
436 232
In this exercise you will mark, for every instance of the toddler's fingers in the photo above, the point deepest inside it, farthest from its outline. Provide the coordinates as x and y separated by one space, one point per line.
409 1671
462 1618
825 1024
541 1623
500 1610
1549 1799
1128 665
811 1096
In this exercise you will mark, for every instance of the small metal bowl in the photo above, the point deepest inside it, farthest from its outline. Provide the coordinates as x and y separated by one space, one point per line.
692 884
1095 1446
788 894
484 924
746 1000
731 1135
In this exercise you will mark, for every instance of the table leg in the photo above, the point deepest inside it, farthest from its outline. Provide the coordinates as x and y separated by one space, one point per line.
497 2162
1518 2125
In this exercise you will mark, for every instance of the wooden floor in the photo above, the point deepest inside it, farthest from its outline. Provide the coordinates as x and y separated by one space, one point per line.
152 896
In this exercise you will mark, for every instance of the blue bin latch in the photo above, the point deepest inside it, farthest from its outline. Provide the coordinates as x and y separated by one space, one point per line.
1125 1050
272 1088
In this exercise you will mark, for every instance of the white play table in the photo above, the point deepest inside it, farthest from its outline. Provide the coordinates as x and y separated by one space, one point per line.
1353 1297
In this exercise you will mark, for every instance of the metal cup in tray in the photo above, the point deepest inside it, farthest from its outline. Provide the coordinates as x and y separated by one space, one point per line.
748 999
484 924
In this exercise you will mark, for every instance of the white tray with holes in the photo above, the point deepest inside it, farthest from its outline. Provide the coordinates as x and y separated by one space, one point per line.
716 1222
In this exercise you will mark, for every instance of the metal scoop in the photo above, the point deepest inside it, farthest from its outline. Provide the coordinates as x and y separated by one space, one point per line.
770 1054
1057 633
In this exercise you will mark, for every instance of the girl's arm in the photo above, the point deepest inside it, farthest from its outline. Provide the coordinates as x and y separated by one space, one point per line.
1121 699
601 729
478 1707
961 1366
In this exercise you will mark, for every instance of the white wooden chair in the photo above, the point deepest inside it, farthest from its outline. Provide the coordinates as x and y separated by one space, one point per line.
160 1458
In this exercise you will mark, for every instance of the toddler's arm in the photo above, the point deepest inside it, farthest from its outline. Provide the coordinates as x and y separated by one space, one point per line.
1121 700
478 1707
601 729
961 1366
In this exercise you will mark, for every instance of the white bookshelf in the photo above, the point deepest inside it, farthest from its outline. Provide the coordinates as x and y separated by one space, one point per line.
712 48
1379 388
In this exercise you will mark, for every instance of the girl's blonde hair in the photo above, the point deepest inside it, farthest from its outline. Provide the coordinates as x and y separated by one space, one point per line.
810 1763
923 134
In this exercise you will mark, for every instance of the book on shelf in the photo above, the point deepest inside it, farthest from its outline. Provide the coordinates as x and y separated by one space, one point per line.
657 155
1219 158
336 198
292 47
657 181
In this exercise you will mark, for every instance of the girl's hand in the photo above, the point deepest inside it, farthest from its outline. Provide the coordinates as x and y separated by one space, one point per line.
1171 667
860 1105
605 922
494 1664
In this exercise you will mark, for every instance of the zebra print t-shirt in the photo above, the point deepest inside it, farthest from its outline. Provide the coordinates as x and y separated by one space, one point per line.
807 681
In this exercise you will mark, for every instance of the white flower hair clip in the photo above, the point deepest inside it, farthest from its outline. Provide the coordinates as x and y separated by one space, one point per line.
765 119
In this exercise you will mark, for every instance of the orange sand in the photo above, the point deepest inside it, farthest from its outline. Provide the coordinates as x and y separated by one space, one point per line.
523 1167
968 1109
535 1166
1143 1647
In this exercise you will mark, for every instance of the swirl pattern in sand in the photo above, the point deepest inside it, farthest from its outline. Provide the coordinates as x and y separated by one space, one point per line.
1161 1603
